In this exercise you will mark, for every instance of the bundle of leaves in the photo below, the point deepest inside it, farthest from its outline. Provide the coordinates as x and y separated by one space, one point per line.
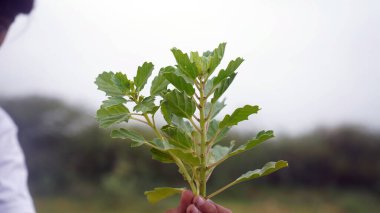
188 95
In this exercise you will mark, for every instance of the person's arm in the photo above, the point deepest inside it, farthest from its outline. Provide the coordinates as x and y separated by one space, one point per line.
14 193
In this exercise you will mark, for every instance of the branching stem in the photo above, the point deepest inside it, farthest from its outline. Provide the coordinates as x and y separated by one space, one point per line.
220 190
139 120
178 161
203 125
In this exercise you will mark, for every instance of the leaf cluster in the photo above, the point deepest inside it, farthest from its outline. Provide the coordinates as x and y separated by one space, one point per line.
188 95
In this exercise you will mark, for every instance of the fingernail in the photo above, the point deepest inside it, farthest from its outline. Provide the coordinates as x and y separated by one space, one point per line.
199 201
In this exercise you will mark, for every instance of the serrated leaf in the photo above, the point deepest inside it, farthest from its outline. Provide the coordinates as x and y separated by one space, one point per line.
223 74
216 57
178 137
113 84
214 108
162 144
218 152
180 123
186 157
161 156
202 63
267 169
112 115
159 84
112 101
223 87
209 86
158 194
143 73
166 148
146 105
184 64
213 129
238 115
260 138
137 140
178 81
179 104
167 116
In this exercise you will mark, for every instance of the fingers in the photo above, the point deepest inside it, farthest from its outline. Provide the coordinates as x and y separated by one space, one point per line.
192 209
191 204
221 209
204 206
186 200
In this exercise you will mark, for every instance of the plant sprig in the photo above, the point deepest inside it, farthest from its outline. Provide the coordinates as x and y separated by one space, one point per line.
188 97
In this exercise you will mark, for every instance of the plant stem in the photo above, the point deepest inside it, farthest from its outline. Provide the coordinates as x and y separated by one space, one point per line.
140 120
194 125
203 169
178 161
220 190
184 172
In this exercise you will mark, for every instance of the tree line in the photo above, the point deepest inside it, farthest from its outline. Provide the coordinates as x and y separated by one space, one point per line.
66 152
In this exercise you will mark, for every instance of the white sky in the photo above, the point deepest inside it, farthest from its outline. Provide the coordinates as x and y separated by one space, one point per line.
307 63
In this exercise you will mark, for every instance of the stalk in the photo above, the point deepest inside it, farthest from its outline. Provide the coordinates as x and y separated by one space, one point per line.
178 161
202 122
220 190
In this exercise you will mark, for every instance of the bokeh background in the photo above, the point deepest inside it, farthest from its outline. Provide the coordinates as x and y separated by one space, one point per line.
312 66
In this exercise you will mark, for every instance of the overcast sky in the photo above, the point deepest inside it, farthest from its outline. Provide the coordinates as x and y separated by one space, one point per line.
307 63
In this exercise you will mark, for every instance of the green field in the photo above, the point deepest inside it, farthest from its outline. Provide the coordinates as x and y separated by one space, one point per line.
263 201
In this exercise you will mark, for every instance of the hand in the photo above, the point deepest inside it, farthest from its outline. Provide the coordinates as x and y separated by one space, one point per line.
196 204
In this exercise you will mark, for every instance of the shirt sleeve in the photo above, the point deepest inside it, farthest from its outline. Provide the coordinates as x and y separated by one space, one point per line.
14 193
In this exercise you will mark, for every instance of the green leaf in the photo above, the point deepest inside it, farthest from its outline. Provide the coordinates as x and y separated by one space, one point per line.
146 105
143 73
162 144
179 104
218 152
238 115
202 63
213 129
159 84
158 194
112 101
222 87
186 157
166 148
209 86
267 169
161 156
167 116
260 138
216 57
214 108
178 81
137 140
178 137
113 84
184 64
112 115
230 70
181 124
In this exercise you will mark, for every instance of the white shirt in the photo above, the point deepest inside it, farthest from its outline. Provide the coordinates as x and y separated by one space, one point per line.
14 193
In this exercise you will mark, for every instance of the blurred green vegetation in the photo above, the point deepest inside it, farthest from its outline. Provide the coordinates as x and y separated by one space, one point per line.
262 199
74 166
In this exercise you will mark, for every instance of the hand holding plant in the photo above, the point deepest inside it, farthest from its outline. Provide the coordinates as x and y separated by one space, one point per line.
188 97
196 204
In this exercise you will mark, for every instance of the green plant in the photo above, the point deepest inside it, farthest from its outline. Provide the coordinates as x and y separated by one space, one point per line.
188 96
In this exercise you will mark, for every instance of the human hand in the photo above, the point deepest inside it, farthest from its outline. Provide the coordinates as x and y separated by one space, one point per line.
196 204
